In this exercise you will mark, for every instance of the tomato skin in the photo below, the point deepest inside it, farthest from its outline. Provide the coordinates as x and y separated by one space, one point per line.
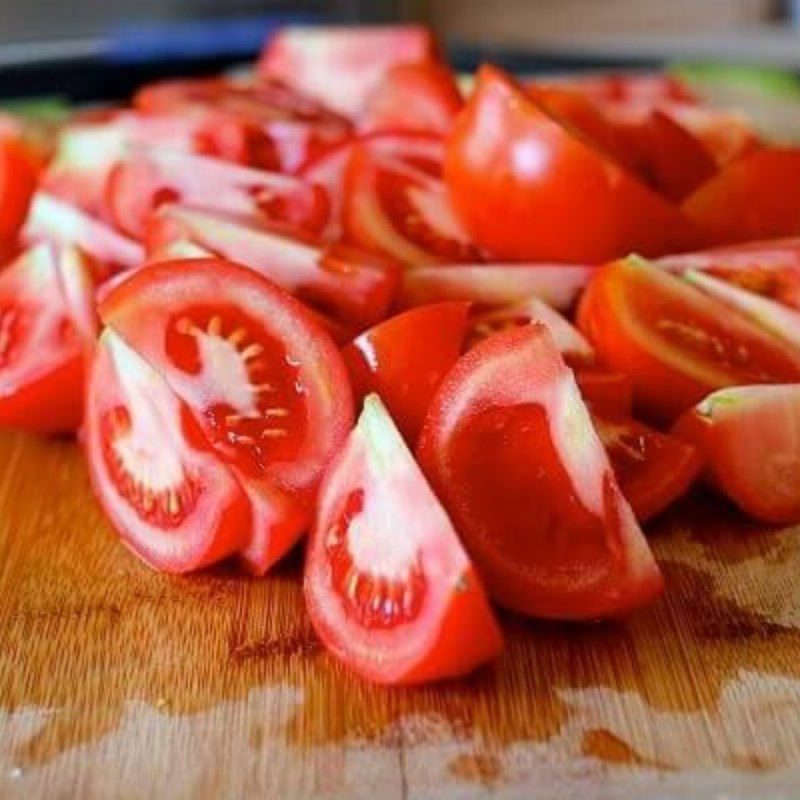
676 344
17 184
510 450
755 197
218 525
421 96
404 359
518 179
423 637
729 426
605 392
653 469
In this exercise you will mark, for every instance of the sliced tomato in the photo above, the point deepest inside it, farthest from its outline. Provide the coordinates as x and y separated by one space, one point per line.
605 391
422 150
53 220
519 180
352 285
653 469
140 183
17 184
389 588
755 197
341 65
509 448
420 96
395 209
495 284
650 88
405 358
263 380
47 330
170 498
676 343
749 437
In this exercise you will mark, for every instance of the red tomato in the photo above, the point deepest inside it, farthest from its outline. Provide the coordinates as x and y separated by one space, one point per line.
676 344
653 469
650 88
54 220
509 447
755 197
495 284
17 184
749 437
405 358
140 183
400 211
341 66
173 502
604 391
519 181
47 330
422 150
264 381
354 286
388 586
422 96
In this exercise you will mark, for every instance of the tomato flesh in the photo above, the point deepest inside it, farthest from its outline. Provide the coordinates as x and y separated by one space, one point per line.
389 588
510 449
675 343
730 426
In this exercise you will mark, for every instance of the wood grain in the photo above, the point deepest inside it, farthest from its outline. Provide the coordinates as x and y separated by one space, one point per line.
116 682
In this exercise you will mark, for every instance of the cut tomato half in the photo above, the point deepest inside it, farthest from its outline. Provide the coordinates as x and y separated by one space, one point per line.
53 220
389 588
495 284
398 210
17 184
404 359
519 180
749 437
140 183
509 448
605 391
676 343
167 494
349 284
653 469
47 331
264 382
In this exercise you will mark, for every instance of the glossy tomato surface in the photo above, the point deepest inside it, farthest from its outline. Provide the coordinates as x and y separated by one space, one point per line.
17 184
520 180
388 585
749 437
171 499
676 343
405 358
509 447
263 380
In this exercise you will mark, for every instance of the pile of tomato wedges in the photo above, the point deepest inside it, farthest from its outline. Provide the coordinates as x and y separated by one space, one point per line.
468 339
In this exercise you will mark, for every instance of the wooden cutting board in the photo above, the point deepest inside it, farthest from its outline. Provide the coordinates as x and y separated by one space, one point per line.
116 682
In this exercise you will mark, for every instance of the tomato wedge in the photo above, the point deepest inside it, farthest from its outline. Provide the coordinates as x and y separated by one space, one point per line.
341 66
389 588
398 210
495 284
140 183
749 437
509 448
422 96
263 380
47 331
53 220
653 469
350 284
17 184
404 359
170 498
676 343
605 391
755 197
519 180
